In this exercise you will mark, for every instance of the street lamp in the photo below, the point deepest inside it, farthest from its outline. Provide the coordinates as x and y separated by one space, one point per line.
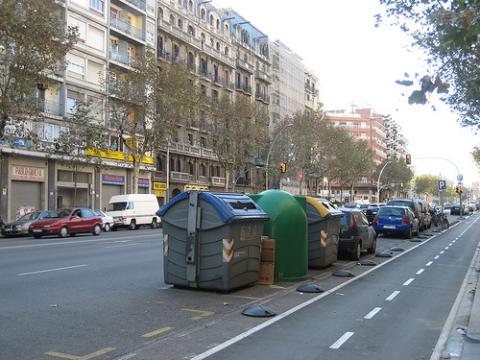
378 180
270 151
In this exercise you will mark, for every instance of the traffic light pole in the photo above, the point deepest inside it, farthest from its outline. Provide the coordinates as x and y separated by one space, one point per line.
270 152
378 180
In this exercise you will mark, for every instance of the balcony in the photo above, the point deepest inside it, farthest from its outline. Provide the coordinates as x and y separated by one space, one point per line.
191 150
217 181
247 89
49 107
262 75
245 65
123 25
162 54
204 73
203 180
218 55
311 89
140 4
123 57
262 97
180 176
179 34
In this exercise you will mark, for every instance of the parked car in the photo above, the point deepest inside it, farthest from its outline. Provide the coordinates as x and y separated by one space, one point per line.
21 227
471 207
133 210
398 220
107 220
356 234
66 222
372 210
414 206
455 209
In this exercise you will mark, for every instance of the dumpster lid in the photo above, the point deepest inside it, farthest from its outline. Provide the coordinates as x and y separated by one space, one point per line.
323 207
228 205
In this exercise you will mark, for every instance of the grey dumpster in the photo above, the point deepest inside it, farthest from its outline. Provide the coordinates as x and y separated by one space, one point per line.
323 233
212 240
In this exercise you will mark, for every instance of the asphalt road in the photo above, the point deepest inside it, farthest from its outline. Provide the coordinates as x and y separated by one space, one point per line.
90 298
396 312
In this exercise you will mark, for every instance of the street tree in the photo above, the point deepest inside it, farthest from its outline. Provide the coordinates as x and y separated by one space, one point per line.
146 106
33 42
397 175
237 135
447 32
426 184
476 155
85 133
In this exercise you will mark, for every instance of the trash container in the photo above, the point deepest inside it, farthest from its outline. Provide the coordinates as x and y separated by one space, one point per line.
323 232
212 240
287 224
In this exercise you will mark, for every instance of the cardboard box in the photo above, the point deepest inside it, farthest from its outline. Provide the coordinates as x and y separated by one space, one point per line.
268 250
267 273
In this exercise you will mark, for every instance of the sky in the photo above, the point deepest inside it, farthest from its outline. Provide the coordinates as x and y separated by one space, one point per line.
357 63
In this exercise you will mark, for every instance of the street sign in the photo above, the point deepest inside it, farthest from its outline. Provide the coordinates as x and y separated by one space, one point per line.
442 185
459 177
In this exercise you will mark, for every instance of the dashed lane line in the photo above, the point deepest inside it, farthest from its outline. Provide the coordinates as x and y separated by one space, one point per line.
51 270
372 313
342 340
420 271
436 257
157 332
408 282
392 295
429 263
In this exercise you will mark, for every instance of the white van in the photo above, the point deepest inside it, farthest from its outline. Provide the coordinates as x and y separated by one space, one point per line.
133 210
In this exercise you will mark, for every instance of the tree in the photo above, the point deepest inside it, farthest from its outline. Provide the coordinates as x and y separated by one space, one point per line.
85 133
33 43
447 31
146 106
426 184
476 155
237 134
396 174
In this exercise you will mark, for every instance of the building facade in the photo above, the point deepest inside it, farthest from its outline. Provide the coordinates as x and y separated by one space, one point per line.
363 124
312 97
395 141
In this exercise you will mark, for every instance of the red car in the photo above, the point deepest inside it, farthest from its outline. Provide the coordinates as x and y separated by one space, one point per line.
66 222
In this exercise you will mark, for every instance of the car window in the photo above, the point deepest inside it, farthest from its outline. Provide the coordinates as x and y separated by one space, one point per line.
364 219
391 211
345 220
30 216
86 213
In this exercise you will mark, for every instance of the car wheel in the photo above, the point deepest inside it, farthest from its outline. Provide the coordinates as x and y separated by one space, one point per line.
107 227
133 225
97 229
357 252
64 232
154 223
37 236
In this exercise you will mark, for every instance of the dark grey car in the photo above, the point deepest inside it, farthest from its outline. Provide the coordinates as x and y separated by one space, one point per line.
356 234
21 227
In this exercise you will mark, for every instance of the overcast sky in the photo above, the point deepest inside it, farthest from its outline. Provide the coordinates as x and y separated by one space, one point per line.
357 63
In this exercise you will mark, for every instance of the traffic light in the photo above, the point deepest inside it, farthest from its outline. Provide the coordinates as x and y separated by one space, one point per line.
408 159
283 167
458 189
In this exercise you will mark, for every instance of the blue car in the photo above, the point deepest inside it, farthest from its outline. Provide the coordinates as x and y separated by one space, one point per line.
398 220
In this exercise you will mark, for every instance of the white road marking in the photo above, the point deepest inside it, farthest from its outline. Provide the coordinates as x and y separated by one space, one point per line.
372 313
442 252
392 296
429 263
454 241
420 271
119 246
436 257
337 344
408 282
50 270
446 247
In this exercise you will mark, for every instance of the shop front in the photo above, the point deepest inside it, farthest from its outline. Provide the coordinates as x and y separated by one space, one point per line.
111 185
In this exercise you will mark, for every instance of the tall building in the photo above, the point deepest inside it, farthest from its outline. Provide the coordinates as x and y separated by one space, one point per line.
312 98
395 141
111 33
288 85
366 125
227 56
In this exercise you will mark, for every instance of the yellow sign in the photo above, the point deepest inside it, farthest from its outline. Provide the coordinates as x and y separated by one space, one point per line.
118 155
159 185
159 193
132 142
195 187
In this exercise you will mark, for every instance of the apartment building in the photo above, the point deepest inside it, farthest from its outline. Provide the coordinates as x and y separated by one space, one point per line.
366 125
110 33
312 98
395 141
227 56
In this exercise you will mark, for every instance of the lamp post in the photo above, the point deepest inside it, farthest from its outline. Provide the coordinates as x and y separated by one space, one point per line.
270 152
378 180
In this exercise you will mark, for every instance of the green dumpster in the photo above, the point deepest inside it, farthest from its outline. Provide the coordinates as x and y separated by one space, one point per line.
323 233
287 224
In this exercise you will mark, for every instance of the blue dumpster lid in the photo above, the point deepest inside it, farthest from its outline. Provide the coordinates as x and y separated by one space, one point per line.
228 205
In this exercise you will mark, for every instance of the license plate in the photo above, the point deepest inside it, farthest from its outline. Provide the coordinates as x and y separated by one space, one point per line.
37 230
389 227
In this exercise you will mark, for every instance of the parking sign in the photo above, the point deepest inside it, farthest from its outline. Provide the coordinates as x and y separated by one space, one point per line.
442 185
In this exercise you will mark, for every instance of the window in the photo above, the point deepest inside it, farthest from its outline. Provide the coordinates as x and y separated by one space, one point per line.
86 213
172 164
190 6
227 50
203 90
159 163
190 61
203 170
172 19
95 38
217 46
202 14
160 14
203 142
73 97
179 165
97 5
76 64
218 24
80 26
211 20
191 168
215 95
226 28
190 139
180 23
191 30
66 176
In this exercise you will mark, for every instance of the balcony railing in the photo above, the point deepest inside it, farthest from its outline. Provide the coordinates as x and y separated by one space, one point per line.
49 107
245 65
262 97
138 3
192 150
162 54
262 75
217 181
186 37
218 55
180 176
123 57
247 89
124 26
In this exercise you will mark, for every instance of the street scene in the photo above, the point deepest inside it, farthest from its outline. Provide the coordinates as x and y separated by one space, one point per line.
225 179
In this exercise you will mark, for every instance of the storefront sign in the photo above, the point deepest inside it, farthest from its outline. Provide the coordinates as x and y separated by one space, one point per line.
159 193
159 185
195 187
113 179
119 155
28 173
143 183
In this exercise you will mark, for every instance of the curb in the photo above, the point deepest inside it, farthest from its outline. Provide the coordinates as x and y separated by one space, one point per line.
473 329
